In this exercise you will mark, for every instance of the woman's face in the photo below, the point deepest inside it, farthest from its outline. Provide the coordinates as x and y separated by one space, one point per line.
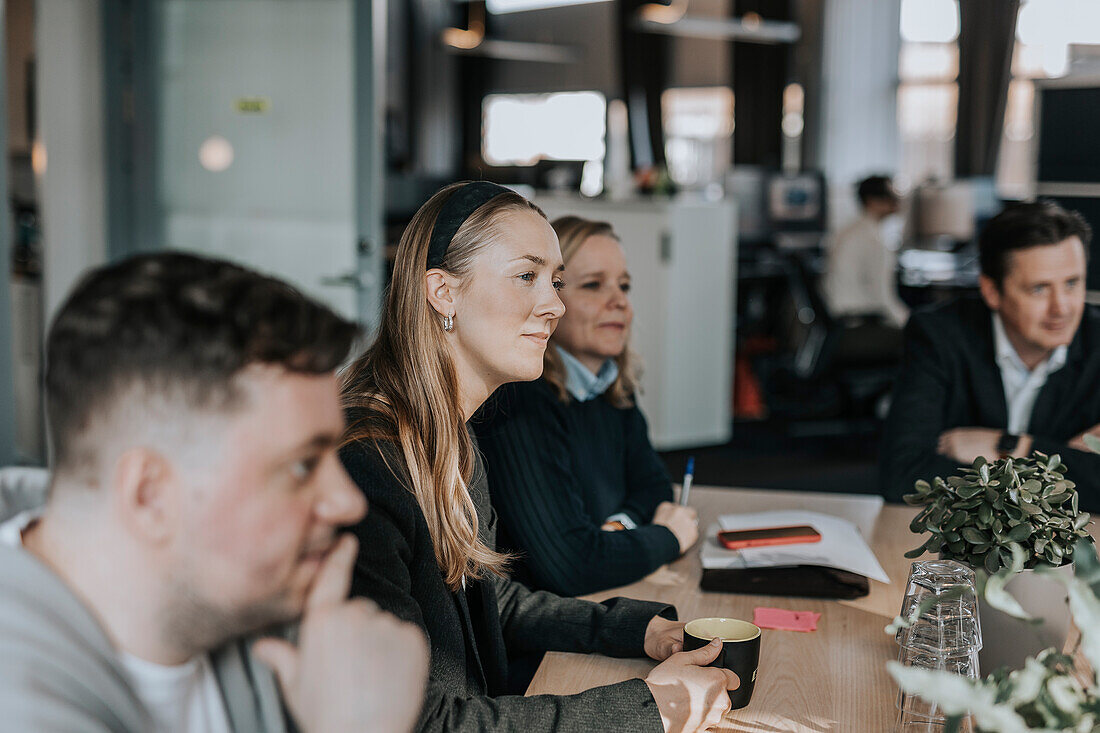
598 311
508 304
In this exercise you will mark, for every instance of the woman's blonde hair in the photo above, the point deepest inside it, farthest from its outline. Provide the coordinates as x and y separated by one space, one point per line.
573 231
404 389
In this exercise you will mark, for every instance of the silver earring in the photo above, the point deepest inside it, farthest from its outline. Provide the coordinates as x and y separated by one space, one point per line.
448 323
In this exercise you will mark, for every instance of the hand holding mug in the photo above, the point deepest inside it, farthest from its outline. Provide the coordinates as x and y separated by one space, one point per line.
739 652
663 638
691 697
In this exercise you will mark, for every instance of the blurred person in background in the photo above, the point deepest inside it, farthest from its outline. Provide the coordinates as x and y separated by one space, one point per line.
861 268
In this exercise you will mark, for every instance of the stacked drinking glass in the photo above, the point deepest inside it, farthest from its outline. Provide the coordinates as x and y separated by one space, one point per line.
946 635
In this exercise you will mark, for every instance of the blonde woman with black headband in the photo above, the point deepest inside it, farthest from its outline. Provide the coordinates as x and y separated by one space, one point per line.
472 304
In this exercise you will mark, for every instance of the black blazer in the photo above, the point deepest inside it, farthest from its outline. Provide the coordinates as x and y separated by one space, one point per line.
472 633
950 378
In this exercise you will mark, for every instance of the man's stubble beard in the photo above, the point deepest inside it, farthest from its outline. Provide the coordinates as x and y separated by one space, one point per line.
201 624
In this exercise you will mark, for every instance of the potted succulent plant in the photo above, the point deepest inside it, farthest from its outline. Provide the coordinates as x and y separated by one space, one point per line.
1051 691
974 518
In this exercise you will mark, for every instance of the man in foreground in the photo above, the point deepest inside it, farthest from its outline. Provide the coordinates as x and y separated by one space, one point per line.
1015 372
195 500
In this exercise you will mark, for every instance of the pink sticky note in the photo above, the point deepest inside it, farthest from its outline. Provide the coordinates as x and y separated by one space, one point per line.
784 620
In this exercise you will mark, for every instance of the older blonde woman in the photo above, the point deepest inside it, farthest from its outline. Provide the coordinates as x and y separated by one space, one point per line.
584 500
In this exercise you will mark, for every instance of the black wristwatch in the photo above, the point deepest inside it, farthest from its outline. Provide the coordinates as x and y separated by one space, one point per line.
1007 444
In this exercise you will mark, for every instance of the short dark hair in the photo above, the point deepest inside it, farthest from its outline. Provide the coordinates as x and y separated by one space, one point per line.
876 187
1023 225
178 325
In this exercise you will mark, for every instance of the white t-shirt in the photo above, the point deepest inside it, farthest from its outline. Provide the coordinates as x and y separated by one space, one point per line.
183 698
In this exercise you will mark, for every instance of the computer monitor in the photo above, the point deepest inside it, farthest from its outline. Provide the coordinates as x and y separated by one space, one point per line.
796 202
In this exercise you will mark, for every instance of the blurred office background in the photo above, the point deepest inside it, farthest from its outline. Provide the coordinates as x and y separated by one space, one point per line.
722 138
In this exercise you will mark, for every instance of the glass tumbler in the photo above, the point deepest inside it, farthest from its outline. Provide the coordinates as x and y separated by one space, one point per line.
945 636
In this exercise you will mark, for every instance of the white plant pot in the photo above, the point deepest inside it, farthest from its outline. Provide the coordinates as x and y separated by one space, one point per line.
1009 641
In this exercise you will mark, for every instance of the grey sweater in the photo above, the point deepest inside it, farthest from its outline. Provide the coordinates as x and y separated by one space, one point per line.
59 672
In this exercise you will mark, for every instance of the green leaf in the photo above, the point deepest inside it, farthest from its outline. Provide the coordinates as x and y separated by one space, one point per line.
1092 442
974 536
969 491
1018 533
1030 508
985 514
992 562
957 520
916 552
983 470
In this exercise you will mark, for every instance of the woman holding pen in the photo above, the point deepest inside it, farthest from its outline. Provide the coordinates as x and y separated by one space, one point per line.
584 500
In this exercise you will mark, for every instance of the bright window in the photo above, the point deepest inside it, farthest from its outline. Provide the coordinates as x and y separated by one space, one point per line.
514 6
1049 35
929 21
522 129
928 89
698 126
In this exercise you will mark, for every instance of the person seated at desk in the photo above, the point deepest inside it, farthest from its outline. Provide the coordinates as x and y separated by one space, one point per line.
860 277
569 456
1015 372
471 306
194 500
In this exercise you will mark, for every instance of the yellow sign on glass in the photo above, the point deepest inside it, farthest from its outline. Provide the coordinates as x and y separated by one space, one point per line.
253 105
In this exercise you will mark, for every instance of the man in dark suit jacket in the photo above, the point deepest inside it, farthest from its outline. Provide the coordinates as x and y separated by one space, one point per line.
1015 372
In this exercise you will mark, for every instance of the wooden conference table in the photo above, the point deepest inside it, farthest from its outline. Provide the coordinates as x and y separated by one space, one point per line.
832 679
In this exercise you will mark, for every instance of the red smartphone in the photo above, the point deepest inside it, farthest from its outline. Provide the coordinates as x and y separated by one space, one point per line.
765 537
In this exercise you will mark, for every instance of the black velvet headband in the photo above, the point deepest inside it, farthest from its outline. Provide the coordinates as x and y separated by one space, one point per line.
457 209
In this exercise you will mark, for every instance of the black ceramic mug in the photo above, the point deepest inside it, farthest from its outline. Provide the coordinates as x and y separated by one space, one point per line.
740 650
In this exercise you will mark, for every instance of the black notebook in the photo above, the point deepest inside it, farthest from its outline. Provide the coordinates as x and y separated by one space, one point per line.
809 581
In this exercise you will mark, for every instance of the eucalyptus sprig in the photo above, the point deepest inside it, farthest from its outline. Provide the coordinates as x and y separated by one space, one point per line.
976 516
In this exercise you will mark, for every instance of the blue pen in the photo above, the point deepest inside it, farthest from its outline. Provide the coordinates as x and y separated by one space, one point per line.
689 474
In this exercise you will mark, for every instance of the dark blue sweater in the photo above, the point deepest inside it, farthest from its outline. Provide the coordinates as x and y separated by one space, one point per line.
556 472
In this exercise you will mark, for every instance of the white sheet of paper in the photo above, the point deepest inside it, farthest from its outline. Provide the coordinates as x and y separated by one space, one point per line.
841 546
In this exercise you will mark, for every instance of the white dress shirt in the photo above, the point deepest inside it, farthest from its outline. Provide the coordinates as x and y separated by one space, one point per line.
1021 385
